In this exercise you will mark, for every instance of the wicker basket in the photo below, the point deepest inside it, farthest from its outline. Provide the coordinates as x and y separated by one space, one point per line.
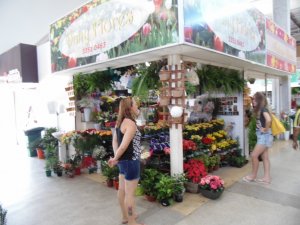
177 93
164 101
164 76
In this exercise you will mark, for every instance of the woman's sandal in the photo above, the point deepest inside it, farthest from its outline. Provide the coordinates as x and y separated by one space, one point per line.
262 181
248 179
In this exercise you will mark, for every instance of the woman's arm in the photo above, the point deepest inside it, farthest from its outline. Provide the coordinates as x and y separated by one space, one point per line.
115 142
268 120
129 132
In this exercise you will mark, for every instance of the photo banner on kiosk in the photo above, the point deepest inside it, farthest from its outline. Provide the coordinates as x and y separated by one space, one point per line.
236 28
106 29
281 48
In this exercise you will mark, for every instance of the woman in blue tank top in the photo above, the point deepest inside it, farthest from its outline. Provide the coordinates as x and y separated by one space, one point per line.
127 149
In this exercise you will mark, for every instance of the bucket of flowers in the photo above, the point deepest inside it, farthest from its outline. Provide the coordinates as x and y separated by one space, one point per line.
211 186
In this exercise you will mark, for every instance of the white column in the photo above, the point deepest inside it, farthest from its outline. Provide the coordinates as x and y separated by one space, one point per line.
281 14
176 156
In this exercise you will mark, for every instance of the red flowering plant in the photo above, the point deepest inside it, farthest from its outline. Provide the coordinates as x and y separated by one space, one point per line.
212 183
189 145
194 170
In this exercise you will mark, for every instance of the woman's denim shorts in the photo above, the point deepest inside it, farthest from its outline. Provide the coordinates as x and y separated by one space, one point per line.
130 169
265 139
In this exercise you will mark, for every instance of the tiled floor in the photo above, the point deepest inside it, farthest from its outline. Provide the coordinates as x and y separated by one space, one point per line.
33 199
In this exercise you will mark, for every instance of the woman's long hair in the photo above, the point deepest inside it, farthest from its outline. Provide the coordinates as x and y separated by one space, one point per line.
125 110
261 102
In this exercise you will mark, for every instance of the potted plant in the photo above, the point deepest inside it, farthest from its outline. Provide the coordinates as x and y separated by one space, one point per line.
178 187
109 172
48 169
148 180
194 170
37 146
165 189
237 161
99 153
211 186
58 168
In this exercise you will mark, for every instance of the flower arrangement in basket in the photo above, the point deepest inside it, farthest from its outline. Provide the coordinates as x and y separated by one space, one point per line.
212 183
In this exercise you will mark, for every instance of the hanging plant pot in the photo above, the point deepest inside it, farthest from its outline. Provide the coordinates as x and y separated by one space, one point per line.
251 80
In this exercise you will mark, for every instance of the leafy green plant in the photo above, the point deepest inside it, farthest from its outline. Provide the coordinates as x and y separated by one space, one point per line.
252 133
190 89
86 84
148 180
214 79
179 181
148 79
109 172
165 187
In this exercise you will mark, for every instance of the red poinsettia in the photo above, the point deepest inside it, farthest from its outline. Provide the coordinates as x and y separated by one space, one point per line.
194 170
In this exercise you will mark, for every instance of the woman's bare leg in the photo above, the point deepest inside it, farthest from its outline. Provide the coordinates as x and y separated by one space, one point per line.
130 188
121 197
258 150
266 162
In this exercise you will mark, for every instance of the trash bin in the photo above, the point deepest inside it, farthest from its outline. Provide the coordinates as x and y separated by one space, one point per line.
33 135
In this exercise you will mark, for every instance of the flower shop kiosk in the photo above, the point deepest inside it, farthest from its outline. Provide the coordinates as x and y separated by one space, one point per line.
189 37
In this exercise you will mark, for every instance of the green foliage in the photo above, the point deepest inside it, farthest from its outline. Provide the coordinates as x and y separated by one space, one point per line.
85 84
165 187
148 79
190 89
179 181
252 133
48 139
109 172
214 79
148 180
286 124
3 213
237 161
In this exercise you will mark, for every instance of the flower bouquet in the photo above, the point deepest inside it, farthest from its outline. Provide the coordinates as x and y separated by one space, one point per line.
211 186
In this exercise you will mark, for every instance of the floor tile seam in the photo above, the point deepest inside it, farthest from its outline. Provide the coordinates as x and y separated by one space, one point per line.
267 200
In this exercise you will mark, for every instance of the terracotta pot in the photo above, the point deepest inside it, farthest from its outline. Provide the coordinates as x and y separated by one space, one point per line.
150 198
40 153
109 183
116 184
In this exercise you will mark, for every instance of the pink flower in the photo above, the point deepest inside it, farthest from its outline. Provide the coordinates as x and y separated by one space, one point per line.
163 16
146 29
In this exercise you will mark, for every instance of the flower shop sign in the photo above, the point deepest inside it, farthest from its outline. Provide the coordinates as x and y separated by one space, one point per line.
236 28
105 29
